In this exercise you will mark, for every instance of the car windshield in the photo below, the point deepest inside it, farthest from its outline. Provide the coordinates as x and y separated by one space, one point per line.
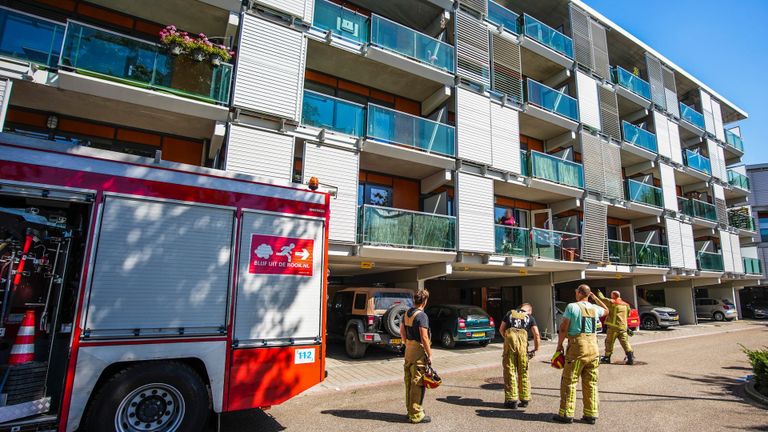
467 311
384 300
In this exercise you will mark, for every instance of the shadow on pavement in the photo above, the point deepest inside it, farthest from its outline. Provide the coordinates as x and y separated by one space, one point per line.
516 415
254 419
470 402
368 415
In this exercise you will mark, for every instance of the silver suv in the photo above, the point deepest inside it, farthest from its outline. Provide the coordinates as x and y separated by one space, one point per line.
653 317
715 309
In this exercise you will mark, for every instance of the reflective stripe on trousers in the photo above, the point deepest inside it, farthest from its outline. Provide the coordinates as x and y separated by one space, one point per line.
515 365
581 361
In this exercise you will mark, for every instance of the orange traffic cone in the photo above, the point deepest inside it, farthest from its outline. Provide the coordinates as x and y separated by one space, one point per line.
23 350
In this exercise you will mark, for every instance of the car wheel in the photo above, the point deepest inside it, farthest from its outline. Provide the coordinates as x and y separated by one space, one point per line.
447 340
166 397
393 318
355 349
649 323
484 343
718 316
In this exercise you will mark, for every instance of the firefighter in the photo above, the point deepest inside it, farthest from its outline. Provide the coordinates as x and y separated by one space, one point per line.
618 311
579 326
418 355
514 328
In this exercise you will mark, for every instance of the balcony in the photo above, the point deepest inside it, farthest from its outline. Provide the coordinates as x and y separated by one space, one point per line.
741 220
620 252
698 209
643 193
555 245
697 161
341 22
651 255
631 82
111 56
525 166
551 100
391 36
752 266
547 36
401 129
334 114
738 180
639 137
383 226
734 141
512 241
29 38
709 261
503 17
554 169
692 116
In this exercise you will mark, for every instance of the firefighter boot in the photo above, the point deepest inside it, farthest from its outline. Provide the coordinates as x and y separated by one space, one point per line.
605 360
630 358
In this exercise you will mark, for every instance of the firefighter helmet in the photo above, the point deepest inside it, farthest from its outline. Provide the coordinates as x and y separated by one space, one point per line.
558 360
431 378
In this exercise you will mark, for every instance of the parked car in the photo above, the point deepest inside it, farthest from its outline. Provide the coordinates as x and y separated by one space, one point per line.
560 311
454 324
653 317
633 320
367 316
756 309
716 309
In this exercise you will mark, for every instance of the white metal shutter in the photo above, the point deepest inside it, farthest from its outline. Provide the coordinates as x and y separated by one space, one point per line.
472 49
582 37
662 134
338 168
670 91
609 113
714 161
160 268
675 148
259 153
720 157
717 113
738 264
298 8
614 182
675 243
475 213
721 209
589 105
473 126
668 189
593 247
505 138
656 79
5 97
706 108
279 309
725 247
270 68
479 6
600 51
592 161
689 245
507 68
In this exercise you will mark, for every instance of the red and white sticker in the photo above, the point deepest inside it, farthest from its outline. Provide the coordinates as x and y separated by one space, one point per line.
281 255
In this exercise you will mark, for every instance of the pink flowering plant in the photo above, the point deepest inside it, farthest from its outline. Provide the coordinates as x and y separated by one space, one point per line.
171 36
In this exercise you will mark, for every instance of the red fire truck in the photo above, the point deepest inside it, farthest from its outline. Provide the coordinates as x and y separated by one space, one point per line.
160 292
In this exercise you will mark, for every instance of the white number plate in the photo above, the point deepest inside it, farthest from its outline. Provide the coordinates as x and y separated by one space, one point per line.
304 356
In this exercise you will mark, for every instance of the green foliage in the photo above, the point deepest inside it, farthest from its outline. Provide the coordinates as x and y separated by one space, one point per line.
759 360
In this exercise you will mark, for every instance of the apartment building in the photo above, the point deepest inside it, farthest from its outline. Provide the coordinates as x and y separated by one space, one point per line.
491 151
757 175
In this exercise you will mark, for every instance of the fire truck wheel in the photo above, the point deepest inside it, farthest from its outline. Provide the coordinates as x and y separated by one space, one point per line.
153 397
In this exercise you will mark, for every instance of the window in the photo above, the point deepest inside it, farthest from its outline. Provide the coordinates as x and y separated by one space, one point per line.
343 301
613 232
385 300
360 300
518 217
763 222
377 195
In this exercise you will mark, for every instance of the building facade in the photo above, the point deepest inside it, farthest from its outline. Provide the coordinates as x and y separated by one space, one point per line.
492 152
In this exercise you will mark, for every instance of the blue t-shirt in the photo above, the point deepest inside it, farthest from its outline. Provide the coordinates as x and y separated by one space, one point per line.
573 314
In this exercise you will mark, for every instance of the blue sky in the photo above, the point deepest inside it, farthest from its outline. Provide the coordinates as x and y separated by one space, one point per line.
688 32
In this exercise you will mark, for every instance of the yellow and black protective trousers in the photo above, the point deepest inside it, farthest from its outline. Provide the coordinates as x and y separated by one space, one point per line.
581 361
614 333
515 365
413 369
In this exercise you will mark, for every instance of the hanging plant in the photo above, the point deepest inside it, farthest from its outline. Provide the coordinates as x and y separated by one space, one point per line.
197 48
177 42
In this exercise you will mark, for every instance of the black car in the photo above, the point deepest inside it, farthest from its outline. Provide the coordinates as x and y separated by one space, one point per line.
756 309
460 323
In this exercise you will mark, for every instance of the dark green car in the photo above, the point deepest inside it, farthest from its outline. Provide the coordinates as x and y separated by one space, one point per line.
451 324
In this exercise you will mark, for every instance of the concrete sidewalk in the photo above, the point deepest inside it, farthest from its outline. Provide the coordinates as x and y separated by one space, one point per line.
382 366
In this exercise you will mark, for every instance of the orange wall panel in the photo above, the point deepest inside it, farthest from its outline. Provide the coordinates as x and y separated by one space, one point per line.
139 137
405 194
105 15
408 106
26 117
86 128
182 151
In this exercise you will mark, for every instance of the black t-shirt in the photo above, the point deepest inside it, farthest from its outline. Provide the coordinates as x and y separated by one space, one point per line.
518 319
421 320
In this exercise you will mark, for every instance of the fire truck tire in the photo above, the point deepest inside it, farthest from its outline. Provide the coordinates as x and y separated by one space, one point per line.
393 318
157 397
355 349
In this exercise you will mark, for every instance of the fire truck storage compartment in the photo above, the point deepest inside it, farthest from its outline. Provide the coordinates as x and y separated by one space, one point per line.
161 268
42 241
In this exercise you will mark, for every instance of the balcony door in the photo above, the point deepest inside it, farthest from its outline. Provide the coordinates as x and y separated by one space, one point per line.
542 218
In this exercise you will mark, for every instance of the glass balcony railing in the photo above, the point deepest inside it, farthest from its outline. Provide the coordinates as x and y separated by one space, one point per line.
734 141
554 169
29 38
397 38
399 128
334 114
651 255
525 165
115 57
341 22
547 36
643 193
631 82
503 17
710 261
697 208
738 179
692 116
697 161
512 240
620 252
551 100
556 245
752 266
639 137
384 226
741 220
